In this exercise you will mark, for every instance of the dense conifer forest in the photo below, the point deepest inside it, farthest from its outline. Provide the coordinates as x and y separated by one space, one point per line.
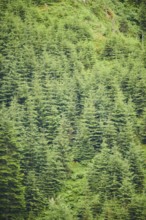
72 110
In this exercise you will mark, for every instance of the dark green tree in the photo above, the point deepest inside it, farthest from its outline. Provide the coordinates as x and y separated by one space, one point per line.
12 201
110 176
137 207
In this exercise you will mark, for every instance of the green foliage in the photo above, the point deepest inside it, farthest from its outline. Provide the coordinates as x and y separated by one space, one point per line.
137 166
110 177
34 197
142 16
73 91
137 207
113 210
12 202
57 210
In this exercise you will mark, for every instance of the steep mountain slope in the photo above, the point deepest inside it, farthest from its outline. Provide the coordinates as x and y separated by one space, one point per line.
73 109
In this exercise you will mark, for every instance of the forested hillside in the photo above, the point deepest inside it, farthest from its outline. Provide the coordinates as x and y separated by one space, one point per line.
72 110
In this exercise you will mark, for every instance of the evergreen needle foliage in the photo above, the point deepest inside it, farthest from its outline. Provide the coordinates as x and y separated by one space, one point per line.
72 109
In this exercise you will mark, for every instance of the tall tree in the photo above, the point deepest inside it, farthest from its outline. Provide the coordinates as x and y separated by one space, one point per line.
110 176
12 202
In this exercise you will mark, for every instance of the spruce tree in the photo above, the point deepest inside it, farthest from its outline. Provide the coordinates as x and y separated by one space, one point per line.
109 176
12 201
